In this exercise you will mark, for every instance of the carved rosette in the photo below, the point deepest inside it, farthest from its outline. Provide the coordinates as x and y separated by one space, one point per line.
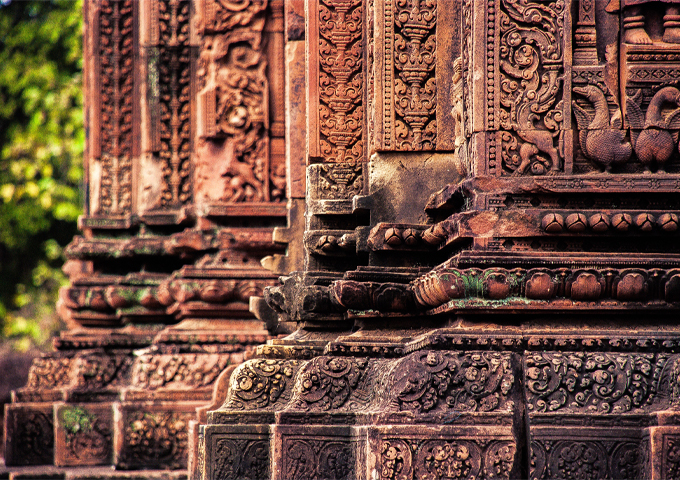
340 88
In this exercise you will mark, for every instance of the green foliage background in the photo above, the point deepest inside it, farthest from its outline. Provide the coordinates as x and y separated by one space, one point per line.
41 147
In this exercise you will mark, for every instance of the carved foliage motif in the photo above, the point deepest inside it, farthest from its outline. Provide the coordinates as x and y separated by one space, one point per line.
328 382
235 97
155 440
671 454
116 57
341 80
464 382
342 180
95 371
49 372
257 384
235 458
586 459
592 382
177 371
531 76
317 459
406 459
174 69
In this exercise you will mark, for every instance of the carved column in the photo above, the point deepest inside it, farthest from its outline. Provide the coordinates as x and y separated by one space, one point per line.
186 181
492 271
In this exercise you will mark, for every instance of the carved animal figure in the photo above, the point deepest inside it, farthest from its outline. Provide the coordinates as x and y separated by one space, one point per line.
602 141
659 135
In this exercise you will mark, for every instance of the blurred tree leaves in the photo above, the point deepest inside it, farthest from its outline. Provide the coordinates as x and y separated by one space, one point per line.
41 147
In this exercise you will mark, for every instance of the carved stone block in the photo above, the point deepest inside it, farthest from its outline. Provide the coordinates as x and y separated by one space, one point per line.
152 436
29 434
83 434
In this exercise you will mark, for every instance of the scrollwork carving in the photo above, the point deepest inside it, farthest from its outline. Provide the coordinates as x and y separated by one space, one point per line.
592 382
328 382
466 382
531 76
258 384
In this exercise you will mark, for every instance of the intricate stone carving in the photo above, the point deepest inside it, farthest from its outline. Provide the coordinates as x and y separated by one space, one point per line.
412 73
233 103
317 459
340 80
592 382
327 382
467 382
155 439
174 101
154 370
88 438
116 56
258 384
241 459
338 181
531 55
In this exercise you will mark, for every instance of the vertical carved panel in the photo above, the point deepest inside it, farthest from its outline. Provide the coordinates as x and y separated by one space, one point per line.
519 85
233 102
336 80
117 39
410 59
174 101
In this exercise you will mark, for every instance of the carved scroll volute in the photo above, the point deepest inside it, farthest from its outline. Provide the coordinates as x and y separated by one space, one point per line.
112 106
522 100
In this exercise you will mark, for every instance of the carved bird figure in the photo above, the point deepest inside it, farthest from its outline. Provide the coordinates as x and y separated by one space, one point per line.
659 135
602 141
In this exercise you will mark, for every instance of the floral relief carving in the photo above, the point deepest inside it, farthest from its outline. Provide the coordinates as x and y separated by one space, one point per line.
415 90
531 76
439 459
95 371
592 382
175 68
154 370
341 180
258 384
155 439
578 460
317 459
235 458
116 57
88 437
341 111
465 382
328 382
49 372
